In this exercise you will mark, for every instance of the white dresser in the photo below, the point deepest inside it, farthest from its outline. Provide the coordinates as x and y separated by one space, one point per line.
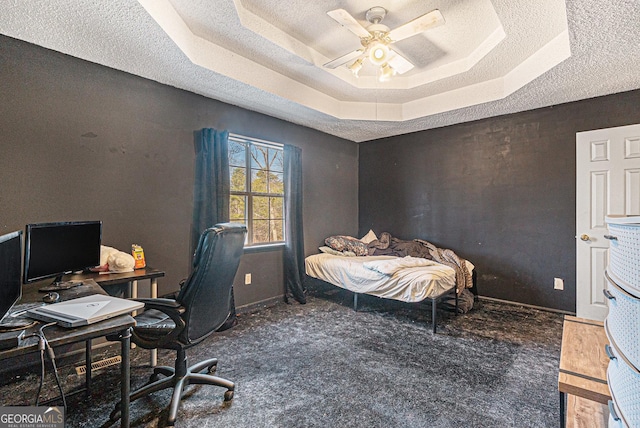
622 324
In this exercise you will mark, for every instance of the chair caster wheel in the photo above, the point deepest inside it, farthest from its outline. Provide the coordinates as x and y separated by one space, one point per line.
228 396
212 368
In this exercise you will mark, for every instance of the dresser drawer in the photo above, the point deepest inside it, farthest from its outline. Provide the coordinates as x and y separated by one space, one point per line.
624 251
615 421
624 385
623 321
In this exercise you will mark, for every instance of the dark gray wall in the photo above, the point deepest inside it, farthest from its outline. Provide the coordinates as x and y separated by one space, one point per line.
83 141
500 192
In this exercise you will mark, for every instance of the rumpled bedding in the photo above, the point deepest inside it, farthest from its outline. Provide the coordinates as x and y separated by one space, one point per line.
465 302
448 257
387 245
409 284
390 267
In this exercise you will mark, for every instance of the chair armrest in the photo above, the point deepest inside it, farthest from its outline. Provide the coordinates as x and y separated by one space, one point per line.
160 304
169 307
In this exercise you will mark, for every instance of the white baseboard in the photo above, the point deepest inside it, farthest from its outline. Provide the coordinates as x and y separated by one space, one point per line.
250 307
509 302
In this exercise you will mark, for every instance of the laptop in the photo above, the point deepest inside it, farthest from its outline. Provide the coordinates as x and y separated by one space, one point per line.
84 310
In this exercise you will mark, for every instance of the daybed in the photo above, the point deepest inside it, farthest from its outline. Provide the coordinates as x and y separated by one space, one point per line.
398 274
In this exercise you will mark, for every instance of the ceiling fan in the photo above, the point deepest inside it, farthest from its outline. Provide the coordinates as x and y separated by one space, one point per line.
377 37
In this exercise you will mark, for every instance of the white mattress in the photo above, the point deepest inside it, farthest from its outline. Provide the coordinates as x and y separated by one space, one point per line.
412 284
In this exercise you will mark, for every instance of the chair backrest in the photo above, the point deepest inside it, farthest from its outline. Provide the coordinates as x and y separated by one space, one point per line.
206 294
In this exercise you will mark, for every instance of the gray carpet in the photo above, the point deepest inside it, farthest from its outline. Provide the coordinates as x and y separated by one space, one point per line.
324 365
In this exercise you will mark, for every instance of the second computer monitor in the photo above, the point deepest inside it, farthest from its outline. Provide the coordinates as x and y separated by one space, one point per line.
10 270
54 249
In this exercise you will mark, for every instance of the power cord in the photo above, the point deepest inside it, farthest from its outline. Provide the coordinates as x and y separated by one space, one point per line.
43 344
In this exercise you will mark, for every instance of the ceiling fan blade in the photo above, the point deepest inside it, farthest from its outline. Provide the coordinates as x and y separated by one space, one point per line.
399 63
344 59
343 18
417 26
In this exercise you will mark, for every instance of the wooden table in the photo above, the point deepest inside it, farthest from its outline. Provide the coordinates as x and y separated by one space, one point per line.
111 278
583 363
584 413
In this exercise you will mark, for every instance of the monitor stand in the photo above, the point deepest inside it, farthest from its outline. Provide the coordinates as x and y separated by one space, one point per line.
59 284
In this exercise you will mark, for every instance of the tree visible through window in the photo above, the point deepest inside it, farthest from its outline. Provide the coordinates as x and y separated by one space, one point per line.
257 188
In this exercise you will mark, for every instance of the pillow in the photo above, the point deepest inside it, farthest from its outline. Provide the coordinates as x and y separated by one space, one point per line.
347 243
369 237
336 253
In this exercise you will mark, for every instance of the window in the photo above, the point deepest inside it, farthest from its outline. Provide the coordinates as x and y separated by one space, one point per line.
257 188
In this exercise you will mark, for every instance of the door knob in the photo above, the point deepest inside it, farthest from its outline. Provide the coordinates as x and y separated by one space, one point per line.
585 237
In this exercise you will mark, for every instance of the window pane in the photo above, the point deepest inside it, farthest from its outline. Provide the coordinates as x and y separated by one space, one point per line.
276 230
276 208
238 177
259 157
237 209
277 160
276 183
258 181
260 207
237 153
257 189
260 231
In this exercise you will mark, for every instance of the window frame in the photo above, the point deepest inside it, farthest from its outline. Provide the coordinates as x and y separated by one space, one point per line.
248 194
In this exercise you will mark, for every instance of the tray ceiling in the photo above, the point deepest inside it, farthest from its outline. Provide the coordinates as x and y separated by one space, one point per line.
489 58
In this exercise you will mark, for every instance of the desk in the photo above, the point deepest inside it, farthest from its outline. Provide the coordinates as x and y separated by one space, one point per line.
132 279
56 336
123 278
583 362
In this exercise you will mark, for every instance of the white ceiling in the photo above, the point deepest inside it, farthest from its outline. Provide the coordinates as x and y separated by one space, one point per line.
491 57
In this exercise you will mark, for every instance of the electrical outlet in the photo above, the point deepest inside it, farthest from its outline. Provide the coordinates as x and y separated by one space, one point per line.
558 284
247 278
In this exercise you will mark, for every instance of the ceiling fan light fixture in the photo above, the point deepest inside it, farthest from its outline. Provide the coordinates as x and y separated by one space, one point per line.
386 72
356 66
376 38
378 53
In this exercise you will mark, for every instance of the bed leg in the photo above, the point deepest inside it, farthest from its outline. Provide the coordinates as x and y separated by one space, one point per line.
433 314
456 291
474 289
355 302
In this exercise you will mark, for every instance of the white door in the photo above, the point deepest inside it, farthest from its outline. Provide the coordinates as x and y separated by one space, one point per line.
607 182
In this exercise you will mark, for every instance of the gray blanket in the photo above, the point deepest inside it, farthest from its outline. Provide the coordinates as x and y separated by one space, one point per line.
387 245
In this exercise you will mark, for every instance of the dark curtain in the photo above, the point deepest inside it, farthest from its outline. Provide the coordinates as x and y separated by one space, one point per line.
211 190
294 240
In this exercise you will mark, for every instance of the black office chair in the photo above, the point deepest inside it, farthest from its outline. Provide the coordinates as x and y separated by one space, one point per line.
200 308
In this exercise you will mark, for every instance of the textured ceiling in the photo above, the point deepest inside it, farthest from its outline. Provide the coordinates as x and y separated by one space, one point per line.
491 57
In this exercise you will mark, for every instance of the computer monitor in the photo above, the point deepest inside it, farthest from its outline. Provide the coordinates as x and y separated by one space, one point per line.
10 271
55 249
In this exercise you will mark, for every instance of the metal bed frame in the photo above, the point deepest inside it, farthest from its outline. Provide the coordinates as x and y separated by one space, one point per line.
434 300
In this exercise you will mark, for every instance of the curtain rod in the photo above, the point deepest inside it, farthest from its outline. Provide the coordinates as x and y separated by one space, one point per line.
255 140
